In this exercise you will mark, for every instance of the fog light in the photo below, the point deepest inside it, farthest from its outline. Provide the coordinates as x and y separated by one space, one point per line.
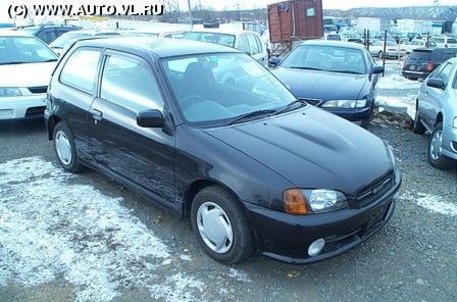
316 247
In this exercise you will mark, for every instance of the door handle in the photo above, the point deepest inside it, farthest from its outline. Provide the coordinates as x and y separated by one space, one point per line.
96 114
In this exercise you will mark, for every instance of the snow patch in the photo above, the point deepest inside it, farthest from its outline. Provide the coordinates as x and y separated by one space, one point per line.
239 275
408 102
433 203
395 82
49 227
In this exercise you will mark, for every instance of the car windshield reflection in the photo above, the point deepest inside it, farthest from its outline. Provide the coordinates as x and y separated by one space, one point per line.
221 88
326 58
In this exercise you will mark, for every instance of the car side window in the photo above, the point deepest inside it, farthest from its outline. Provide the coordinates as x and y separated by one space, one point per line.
254 43
243 44
80 70
129 82
47 35
445 73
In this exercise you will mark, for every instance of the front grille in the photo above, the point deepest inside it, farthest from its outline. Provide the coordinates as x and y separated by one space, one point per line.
38 89
379 187
33 112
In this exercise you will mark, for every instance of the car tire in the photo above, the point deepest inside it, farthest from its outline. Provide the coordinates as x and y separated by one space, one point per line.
435 150
418 127
221 226
380 55
65 149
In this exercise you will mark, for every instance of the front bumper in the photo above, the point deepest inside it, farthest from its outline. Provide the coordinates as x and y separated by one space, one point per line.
22 107
286 237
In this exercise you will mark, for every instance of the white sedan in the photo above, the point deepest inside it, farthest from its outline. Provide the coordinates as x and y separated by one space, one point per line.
418 44
26 64
392 49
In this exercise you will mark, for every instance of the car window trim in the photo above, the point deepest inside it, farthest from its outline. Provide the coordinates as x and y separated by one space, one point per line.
131 56
80 89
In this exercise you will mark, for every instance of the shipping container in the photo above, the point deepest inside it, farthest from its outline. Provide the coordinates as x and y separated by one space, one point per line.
295 20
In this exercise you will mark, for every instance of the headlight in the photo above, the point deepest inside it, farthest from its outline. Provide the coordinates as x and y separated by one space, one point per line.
298 201
345 104
9 92
455 122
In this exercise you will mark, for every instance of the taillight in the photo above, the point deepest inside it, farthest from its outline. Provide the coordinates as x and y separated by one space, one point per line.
430 66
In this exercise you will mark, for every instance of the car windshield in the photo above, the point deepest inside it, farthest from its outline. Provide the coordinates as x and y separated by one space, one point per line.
66 39
216 38
327 58
218 89
16 50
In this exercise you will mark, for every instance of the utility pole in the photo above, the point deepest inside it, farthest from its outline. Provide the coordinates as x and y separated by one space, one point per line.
190 15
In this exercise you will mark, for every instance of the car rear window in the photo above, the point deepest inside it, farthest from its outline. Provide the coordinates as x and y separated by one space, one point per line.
418 54
452 41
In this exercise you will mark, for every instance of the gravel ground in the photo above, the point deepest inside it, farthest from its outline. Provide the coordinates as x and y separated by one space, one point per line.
153 256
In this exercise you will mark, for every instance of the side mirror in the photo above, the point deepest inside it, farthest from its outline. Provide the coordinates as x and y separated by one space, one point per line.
274 61
436 83
150 119
377 69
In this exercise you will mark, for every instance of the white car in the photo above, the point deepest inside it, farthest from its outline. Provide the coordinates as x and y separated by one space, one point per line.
445 41
26 65
393 50
418 44
247 41
61 44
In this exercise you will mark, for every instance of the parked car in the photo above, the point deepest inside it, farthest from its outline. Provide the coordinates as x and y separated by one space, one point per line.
422 61
445 41
436 111
247 41
172 34
312 66
418 44
48 32
252 166
26 64
63 42
393 50
333 37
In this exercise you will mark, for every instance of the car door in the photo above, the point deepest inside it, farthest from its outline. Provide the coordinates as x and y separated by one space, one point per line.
143 156
257 51
434 96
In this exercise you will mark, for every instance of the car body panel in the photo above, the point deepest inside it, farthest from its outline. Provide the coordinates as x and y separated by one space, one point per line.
256 160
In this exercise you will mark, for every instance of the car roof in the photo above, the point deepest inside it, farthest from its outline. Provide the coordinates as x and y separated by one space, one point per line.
15 33
333 43
223 31
157 47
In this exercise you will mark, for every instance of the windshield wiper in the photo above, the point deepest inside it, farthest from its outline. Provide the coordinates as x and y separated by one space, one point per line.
347 71
305 67
250 115
13 62
292 106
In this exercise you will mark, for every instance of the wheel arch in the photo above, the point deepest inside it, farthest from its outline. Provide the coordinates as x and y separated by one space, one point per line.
439 118
198 185
52 122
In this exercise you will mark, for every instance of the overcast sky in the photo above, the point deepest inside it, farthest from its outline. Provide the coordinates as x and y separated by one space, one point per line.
337 4
230 4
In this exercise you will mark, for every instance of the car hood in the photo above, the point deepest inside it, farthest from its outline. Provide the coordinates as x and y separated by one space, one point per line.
26 75
311 148
322 85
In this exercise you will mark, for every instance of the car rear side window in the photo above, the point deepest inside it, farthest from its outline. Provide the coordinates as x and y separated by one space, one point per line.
130 83
81 69
255 45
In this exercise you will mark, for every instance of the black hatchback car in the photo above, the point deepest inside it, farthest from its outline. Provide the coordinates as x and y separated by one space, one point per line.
422 61
255 168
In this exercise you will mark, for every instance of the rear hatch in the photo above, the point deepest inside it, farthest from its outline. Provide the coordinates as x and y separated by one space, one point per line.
419 60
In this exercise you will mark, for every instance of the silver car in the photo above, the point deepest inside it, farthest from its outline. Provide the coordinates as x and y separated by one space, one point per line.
437 112
26 64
